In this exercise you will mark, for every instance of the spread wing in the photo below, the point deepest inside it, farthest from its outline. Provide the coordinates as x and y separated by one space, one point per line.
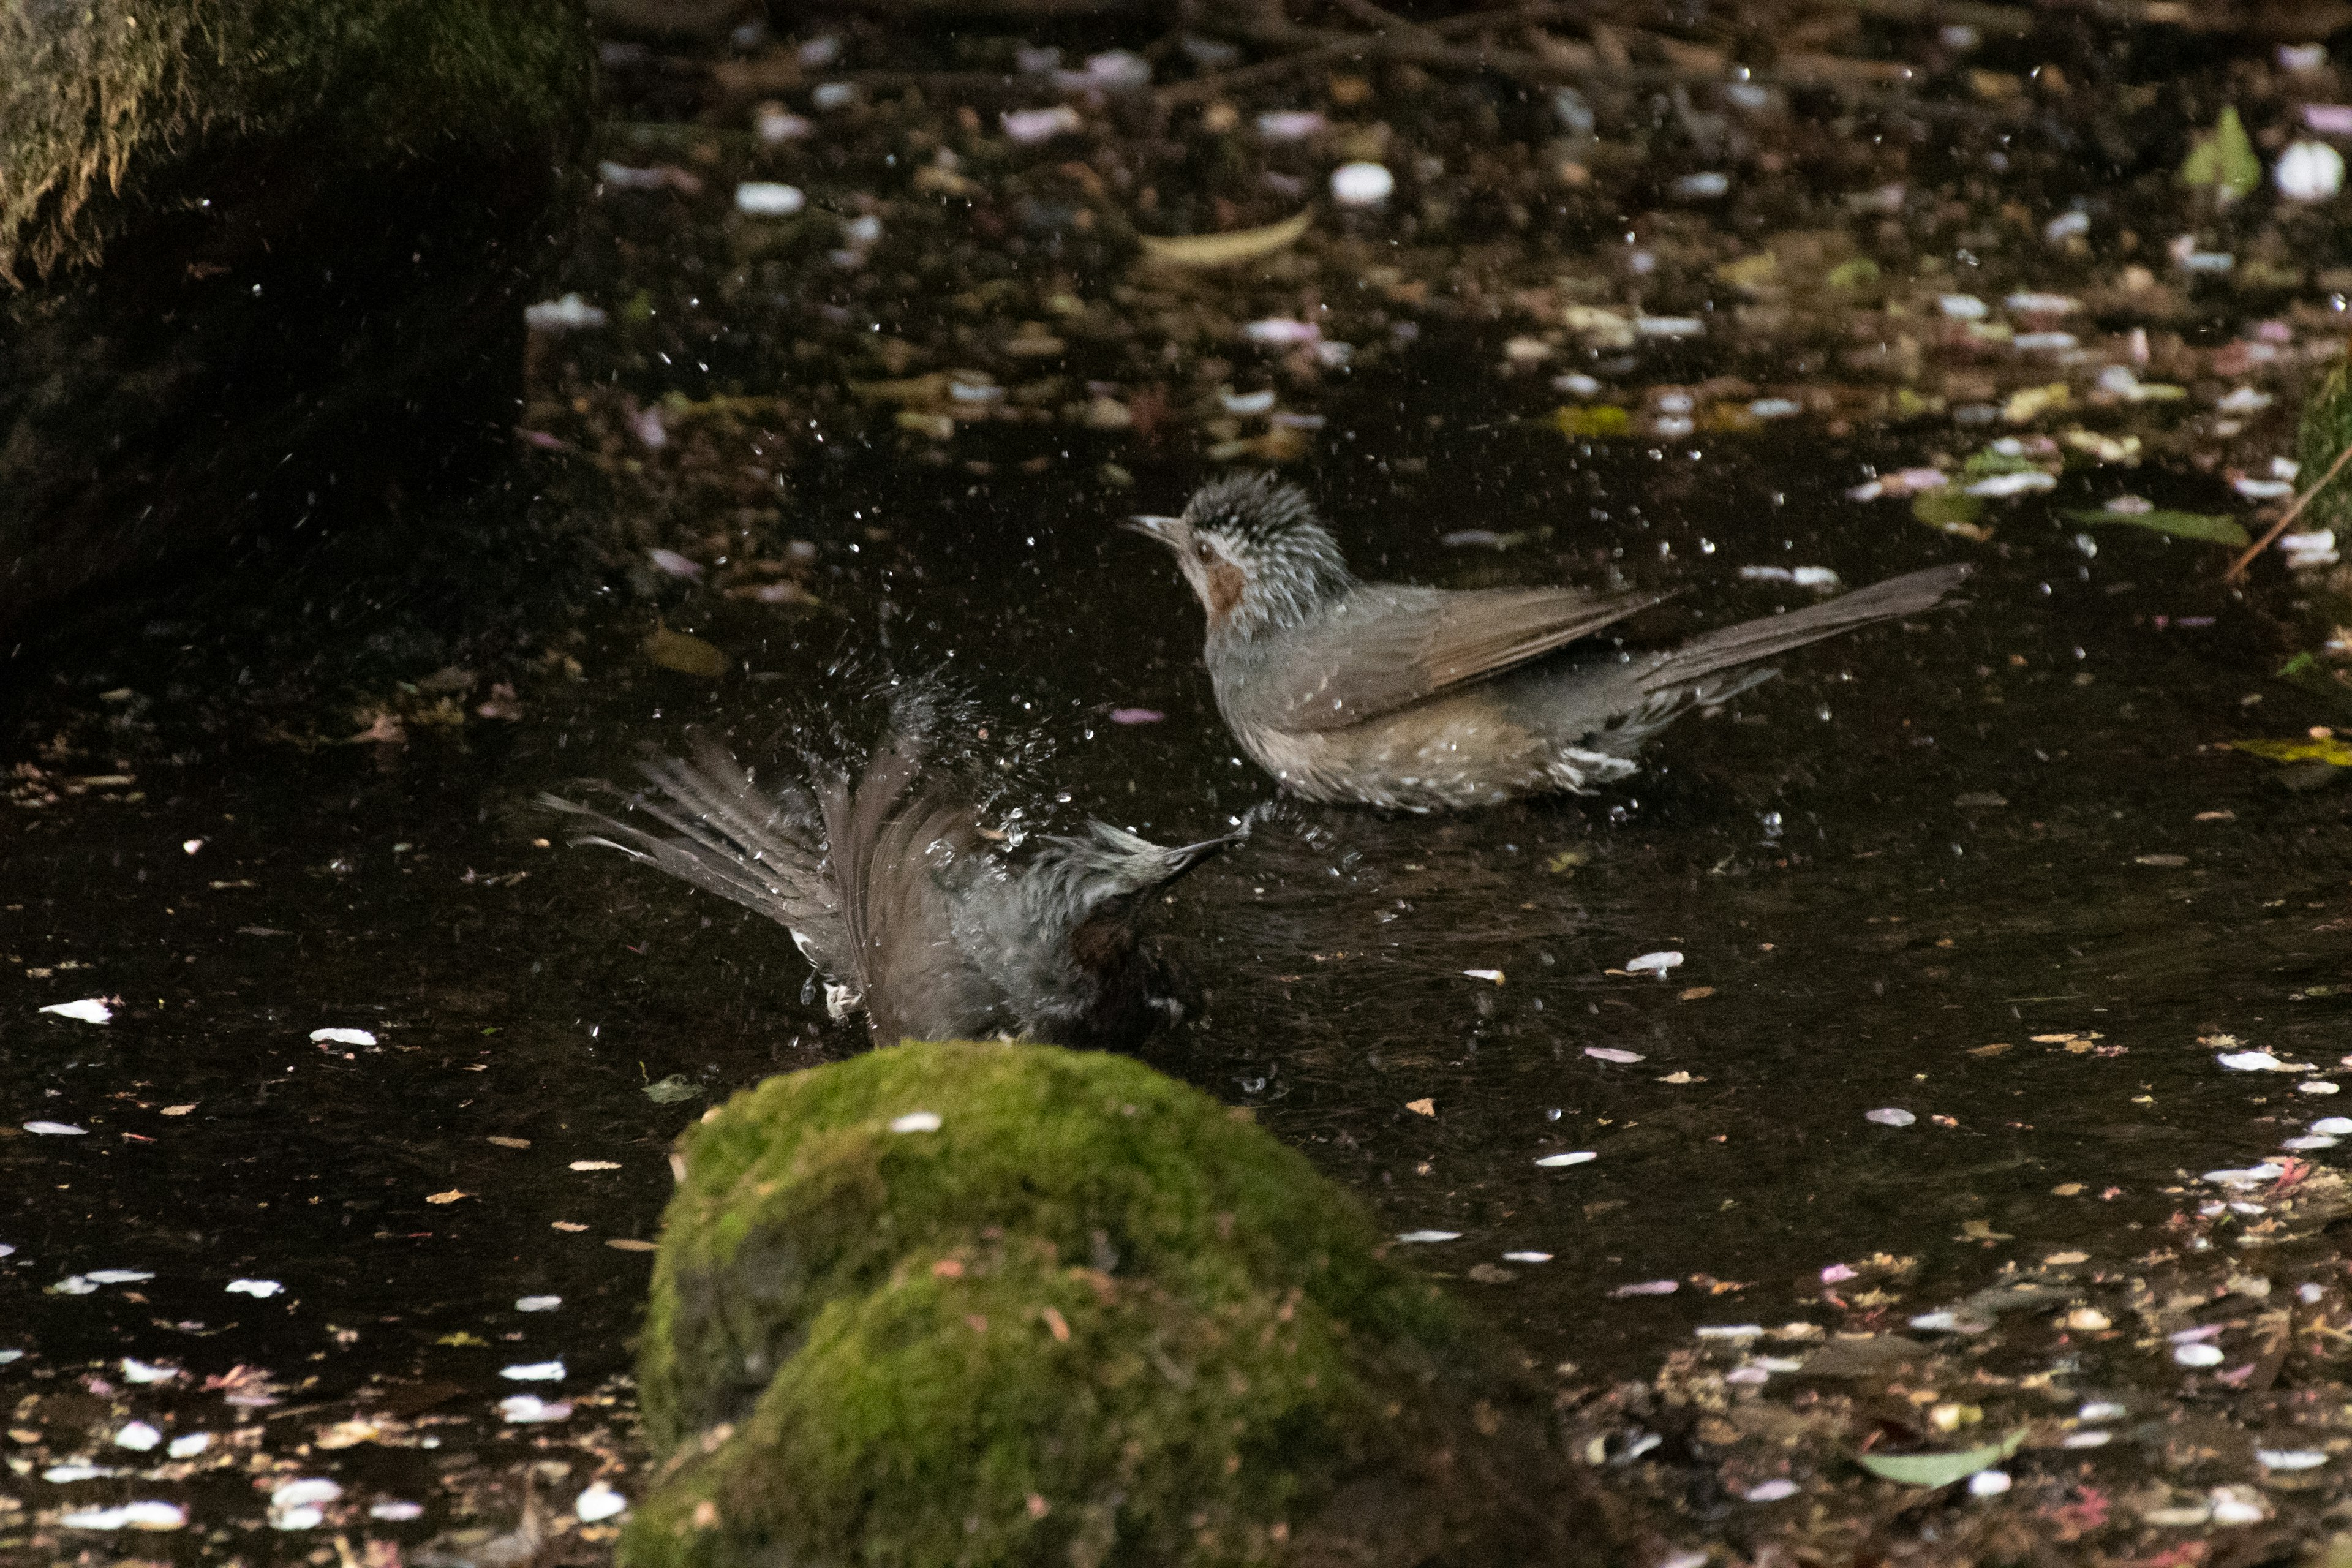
1385 647
892 840
732 838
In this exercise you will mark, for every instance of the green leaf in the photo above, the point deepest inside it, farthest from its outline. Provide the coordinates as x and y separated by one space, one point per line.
2208 526
1986 461
1952 511
2310 676
1598 419
2335 752
1858 273
2224 160
687 655
1940 1470
670 1090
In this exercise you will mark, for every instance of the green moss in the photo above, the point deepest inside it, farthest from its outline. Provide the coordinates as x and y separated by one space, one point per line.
2324 430
1093 1318
99 97
909 1425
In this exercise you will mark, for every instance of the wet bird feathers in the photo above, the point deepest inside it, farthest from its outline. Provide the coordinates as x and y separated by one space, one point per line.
1380 647
891 890
1392 695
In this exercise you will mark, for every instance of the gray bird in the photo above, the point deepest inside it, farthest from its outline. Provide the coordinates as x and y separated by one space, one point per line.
895 895
1429 699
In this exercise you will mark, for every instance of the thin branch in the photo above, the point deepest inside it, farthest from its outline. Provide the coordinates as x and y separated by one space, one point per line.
1375 17
1216 82
2238 567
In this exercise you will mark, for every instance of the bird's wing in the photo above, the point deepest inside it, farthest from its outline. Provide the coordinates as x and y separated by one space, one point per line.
889 837
732 838
1385 647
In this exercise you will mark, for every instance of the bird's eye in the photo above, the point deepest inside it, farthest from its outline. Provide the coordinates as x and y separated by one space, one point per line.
1201 547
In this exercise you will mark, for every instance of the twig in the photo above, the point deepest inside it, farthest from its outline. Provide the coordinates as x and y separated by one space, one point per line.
1000 10
1510 16
1216 82
1401 41
2016 19
1377 17
2238 567
1310 46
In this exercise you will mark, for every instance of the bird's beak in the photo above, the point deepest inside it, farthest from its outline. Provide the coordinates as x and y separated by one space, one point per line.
1184 859
1166 530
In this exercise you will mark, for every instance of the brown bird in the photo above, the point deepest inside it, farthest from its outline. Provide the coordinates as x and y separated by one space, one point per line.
1428 698
895 895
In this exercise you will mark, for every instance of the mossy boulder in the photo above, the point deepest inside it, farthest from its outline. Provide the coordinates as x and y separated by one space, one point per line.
982 1304
2321 436
260 260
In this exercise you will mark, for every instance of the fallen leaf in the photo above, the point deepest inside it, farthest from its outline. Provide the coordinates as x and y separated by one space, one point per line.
1224 249
451 1196
508 1142
177 1109
671 1089
629 1244
913 389
2225 159
1952 512
1600 420
2209 526
2333 750
1940 1470
687 655
1422 1107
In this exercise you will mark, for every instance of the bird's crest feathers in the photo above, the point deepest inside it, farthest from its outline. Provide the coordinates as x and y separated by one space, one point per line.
1292 564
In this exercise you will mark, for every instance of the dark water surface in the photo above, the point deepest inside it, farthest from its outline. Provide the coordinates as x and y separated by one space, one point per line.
1825 854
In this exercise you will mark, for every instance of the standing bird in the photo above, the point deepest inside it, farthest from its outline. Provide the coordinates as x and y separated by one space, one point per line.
893 893
1431 698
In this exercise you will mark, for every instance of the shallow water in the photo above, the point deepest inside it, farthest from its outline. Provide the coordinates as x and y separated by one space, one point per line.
2011 819
1858 930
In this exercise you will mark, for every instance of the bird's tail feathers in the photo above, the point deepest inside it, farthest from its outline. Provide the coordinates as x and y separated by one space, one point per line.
727 835
1729 648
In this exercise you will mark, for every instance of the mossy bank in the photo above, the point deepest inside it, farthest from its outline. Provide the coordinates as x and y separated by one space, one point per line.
1008 1304
259 263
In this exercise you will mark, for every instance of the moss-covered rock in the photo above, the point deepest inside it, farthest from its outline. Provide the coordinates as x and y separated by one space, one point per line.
1089 1317
104 103
259 259
2320 438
